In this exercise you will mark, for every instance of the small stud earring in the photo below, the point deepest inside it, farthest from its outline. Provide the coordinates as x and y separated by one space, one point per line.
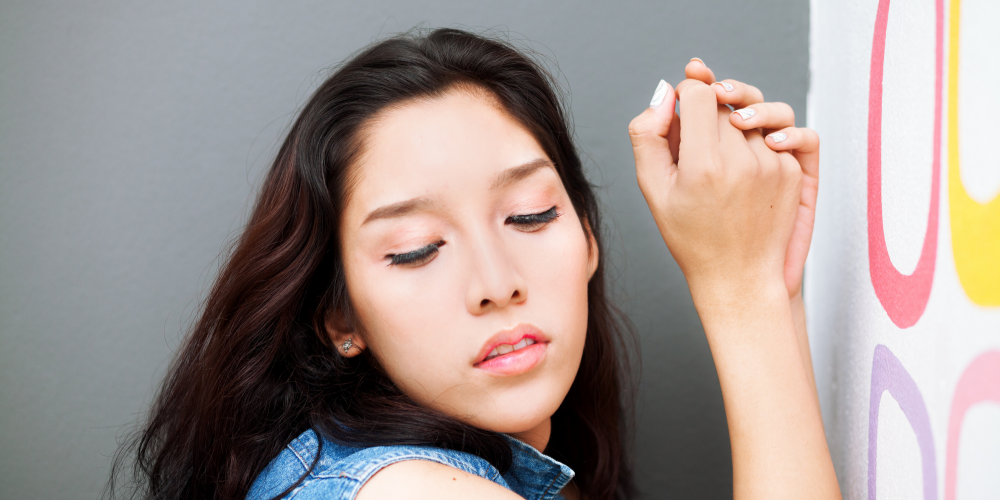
347 345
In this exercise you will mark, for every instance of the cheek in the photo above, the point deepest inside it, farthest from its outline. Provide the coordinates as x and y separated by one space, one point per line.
405 319
410 318
564 259
558 275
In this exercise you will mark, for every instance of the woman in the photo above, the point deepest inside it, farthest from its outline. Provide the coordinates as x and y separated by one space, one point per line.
417 306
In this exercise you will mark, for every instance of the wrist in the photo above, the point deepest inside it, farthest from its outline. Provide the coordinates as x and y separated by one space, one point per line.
737 295
736 317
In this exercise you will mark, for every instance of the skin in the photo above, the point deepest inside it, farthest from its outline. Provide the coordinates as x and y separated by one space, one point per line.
735 210
737 217
803 145
458 155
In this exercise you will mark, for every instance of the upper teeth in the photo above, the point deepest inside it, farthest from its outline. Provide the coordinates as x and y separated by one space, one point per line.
506 348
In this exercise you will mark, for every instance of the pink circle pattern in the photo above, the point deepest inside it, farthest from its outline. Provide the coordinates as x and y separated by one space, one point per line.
903 297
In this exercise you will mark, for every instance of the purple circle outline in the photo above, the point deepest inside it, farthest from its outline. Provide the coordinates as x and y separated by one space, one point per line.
888 374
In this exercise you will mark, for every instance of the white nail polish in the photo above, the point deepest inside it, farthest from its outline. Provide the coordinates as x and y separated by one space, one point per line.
778 137
746 113
728 86
661 92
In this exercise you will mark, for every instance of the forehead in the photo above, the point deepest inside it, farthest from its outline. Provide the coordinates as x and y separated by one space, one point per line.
427 147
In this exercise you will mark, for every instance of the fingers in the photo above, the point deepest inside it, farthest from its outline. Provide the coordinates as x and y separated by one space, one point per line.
728 134
730 92
733 148
697 70
802 143
650 132
791 167
802 140
737 94
766 115
699 113
766 158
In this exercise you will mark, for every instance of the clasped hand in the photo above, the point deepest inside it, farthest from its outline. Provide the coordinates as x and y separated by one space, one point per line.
733 193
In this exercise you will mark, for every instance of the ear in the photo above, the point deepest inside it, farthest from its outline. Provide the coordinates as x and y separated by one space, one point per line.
593 253
346 339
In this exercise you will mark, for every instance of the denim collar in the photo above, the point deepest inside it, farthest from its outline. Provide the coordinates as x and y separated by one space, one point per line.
338 471
534 475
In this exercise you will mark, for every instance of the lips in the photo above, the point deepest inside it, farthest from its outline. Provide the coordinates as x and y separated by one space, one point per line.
507 348
514 351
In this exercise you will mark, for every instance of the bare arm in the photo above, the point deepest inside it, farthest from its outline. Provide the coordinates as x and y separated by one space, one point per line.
771 117
729 210
778 444
798 309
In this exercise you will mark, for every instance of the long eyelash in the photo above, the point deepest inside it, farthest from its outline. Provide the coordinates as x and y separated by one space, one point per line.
415 257
527 222
533 219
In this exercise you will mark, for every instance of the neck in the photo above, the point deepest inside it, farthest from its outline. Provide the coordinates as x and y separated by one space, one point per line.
538 437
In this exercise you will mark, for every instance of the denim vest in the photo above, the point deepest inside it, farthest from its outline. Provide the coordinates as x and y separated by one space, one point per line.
342 470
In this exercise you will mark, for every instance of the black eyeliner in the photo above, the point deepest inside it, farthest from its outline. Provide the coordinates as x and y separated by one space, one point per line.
414 256
539 218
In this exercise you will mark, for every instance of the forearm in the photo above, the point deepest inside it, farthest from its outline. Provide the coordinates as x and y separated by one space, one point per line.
778 444
802 336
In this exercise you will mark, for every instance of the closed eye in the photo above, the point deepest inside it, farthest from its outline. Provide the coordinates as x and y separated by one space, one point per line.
532 222
415 258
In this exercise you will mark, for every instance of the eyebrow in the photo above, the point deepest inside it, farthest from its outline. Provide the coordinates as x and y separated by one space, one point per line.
515 174
506 178
399 209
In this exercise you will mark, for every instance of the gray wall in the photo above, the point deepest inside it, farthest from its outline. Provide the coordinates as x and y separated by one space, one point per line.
132 137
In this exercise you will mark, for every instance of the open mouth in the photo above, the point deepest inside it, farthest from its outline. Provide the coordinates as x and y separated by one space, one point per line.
502 349
514 351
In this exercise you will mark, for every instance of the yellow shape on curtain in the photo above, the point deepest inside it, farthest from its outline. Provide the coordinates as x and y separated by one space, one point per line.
975 227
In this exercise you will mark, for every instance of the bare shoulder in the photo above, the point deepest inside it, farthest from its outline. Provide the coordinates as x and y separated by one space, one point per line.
422 479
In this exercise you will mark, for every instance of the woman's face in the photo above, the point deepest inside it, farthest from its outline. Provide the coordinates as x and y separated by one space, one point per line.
460 244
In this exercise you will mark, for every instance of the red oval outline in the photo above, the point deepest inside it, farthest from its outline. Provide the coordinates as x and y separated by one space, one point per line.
904 297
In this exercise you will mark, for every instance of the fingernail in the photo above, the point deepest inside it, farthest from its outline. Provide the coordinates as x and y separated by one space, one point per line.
746 113
699 60
778 137
728 86
661 92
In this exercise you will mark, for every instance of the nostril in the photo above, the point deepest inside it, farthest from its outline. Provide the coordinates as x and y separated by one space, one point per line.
517 293
484 302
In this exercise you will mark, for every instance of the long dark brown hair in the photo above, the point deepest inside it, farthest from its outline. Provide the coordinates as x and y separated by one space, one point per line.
258 367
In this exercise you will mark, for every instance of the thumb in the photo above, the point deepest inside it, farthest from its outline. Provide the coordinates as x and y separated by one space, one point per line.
654 162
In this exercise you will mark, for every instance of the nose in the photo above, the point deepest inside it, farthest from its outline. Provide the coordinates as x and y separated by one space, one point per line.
494 280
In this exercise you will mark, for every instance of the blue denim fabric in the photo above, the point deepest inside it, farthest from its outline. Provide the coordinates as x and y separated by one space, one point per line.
342 470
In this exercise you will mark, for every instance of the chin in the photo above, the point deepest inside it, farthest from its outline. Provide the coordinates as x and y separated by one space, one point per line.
513 424
516 412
